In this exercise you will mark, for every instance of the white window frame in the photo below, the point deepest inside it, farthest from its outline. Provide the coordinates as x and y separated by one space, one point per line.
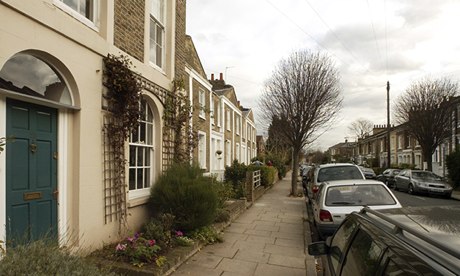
202 149
92 21
211 108
227 119
228 152
218 113
146 146
237 157
157 21
202 103
238 124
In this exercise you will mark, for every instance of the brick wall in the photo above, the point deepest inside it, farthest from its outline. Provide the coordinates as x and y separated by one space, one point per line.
180 40
129 27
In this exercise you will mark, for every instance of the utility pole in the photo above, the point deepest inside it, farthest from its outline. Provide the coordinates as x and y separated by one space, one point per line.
388 126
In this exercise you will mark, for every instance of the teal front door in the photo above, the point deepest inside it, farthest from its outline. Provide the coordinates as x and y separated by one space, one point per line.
31 172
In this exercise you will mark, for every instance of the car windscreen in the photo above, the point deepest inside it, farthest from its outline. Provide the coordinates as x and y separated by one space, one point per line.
357 195
339 173
425 175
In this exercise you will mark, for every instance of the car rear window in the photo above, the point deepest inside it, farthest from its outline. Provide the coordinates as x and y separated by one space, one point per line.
356 195
339 173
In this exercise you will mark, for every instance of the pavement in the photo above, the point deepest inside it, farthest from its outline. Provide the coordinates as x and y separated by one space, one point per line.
455 195
268 239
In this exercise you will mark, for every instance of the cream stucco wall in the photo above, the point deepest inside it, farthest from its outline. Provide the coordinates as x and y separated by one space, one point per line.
76 51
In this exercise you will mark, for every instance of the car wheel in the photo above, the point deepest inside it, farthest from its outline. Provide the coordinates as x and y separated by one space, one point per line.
410 190
395 187
447 196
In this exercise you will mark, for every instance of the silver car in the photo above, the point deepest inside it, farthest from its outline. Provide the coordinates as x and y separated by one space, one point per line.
337 199
418 181
330 172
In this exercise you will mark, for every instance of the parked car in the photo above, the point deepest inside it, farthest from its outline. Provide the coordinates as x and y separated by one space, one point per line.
330 172
304 174
388 177
368 172
337 199
405 241
418 181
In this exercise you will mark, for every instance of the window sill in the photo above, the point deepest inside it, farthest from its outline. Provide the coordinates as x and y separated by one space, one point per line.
138 201
202 117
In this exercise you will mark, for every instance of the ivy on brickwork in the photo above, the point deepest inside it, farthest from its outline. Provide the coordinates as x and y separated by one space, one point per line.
123 97
177 116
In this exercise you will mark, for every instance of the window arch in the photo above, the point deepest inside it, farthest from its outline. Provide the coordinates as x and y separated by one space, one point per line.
27 75
141 152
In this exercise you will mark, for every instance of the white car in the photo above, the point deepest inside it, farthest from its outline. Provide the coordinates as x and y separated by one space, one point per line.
337 199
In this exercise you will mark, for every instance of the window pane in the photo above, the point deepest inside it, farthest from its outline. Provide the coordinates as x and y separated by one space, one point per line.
135 135
149 134
363 256
142 136
147 157
72 3
339 242
132 156
132 179
140 156
140 178
147 178
28 75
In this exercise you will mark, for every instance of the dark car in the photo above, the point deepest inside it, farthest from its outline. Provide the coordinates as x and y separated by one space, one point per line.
404 241
388 177
368 172
418 181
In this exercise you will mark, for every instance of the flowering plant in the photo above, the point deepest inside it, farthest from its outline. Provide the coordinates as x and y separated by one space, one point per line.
138 250
182 240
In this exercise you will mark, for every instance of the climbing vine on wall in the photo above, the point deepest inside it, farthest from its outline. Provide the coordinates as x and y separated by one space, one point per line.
123 97
177 116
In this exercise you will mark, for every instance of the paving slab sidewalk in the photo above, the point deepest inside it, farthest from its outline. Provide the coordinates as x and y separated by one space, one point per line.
268 239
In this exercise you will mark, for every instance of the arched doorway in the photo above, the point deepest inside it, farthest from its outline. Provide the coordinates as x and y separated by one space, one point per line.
34 91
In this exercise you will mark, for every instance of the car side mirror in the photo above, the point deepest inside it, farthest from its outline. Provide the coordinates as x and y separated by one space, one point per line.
318 248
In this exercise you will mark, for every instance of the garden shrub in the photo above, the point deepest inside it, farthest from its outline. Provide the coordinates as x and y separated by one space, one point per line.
184 192
236 174
453 167
159 229
222 215
224 192
207 235
272 173
44 257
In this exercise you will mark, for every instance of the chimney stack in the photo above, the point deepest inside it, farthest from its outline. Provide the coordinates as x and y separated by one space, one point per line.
212 76
221 76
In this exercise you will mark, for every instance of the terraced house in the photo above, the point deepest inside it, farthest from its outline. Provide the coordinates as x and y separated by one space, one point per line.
405 150
58 174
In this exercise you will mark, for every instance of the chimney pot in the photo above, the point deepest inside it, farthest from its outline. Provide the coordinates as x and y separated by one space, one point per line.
221 76
212 76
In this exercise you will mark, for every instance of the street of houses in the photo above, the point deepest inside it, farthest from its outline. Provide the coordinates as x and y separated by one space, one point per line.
404 149
53 103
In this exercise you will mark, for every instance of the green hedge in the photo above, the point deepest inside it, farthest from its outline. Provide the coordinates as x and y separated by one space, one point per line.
185 193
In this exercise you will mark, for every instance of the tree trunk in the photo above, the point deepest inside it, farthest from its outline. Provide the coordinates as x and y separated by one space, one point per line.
427 156
295 172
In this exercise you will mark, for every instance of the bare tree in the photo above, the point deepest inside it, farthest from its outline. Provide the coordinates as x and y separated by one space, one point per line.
361 128
303 91
426 108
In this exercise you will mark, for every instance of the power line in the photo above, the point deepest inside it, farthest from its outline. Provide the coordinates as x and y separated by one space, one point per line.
373 30
335 35
309 35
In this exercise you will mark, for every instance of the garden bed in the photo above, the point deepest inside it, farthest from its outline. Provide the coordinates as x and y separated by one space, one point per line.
174 257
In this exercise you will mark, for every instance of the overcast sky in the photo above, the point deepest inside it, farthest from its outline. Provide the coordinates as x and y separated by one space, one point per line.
370 41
